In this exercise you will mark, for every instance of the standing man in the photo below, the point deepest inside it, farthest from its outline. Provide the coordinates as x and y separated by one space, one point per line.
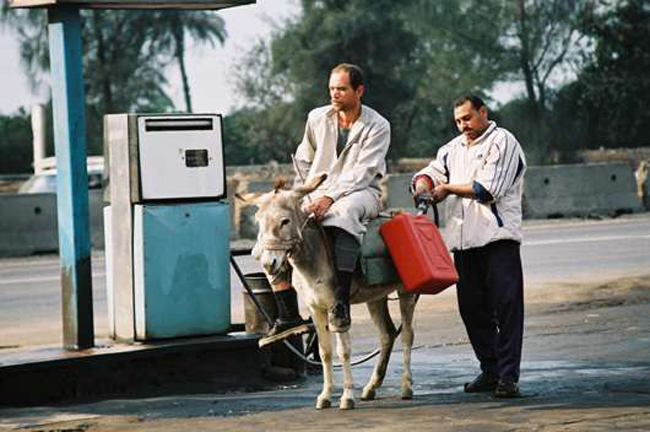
480 173
348 141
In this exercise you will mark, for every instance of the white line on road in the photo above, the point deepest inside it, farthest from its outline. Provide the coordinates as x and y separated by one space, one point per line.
27 280
585 240
19 263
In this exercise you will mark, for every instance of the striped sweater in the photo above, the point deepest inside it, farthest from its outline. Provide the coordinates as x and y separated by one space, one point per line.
494 165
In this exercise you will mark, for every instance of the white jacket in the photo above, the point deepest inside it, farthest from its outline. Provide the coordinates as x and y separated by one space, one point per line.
362 162
495 165
353 177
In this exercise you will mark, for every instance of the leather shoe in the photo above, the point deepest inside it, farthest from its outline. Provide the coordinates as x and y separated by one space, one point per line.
280 326
507 388
484 383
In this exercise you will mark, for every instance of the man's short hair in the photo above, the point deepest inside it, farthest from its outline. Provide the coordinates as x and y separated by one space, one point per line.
354 72
476 101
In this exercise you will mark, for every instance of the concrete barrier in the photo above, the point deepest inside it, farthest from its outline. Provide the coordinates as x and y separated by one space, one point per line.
243 224
28 223
580 190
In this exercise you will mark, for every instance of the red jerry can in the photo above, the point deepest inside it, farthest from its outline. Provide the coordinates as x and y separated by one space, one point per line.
419 254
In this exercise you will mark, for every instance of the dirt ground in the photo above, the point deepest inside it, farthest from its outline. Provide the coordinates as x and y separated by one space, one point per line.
586 367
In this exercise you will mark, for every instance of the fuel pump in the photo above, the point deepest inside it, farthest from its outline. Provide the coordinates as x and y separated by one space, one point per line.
167 226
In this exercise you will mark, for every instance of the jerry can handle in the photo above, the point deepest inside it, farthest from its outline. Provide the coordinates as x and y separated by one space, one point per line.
423 202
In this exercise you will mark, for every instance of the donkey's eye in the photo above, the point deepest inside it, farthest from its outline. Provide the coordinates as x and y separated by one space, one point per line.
284 222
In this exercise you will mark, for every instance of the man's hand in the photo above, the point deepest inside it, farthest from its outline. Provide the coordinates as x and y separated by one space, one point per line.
319 207
440 192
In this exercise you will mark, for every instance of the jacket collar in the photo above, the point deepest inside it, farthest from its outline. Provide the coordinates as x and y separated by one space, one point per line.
358 125
362 120
356 129
491 127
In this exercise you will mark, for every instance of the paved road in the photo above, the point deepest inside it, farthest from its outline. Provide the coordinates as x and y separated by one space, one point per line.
554 252
576 251
585 368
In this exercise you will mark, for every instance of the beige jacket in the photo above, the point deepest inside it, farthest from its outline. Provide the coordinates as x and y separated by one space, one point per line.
353 177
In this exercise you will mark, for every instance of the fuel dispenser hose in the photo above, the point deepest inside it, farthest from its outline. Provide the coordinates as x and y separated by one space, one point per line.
422 205
291 348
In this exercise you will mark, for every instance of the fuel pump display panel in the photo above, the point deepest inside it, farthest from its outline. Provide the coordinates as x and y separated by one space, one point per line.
196 158
181 157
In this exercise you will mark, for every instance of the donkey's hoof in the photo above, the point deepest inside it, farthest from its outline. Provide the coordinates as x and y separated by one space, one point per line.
407 394
346 404
368 395
323 403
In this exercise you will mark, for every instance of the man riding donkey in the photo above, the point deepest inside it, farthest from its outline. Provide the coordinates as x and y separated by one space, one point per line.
348 141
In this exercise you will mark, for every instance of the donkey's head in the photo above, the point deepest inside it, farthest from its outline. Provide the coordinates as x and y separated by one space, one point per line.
280 222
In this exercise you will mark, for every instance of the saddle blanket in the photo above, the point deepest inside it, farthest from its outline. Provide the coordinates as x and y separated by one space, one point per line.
375 262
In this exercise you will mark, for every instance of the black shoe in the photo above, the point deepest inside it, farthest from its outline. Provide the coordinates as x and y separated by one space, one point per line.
484 383
339 317
280 326
284 329
507 388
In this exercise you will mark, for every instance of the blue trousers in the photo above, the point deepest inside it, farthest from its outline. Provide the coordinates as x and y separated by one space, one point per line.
491 303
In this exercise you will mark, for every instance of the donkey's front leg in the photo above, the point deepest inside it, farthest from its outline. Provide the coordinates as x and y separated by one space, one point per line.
324 399
381 317
343 350
407 307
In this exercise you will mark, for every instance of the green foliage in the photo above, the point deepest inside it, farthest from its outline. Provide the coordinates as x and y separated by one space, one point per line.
606 106
520 116
171 29
122 70
543 41
418 55
15 143
458 52
616 81
122 73
125 57
289 77
240 133
270 126
569 129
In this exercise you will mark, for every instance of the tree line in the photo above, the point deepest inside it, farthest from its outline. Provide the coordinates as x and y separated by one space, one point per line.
125 57
581 66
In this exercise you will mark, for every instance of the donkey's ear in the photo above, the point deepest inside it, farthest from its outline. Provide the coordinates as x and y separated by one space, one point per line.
310 186
249 198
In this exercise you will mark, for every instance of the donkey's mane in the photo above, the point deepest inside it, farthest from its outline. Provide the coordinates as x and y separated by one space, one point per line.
281 183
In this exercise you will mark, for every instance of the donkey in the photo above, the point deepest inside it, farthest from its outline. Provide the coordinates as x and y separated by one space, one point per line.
288 236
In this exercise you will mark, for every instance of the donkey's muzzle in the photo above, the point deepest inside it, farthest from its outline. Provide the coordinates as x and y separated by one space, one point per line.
274 262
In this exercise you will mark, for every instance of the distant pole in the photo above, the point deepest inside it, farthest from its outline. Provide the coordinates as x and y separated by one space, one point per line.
38 137
72 176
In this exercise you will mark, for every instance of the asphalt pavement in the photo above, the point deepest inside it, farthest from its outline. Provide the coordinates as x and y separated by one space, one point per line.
585 367
554 251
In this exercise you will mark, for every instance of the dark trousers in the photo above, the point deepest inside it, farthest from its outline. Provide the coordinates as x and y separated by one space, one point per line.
345 249
491 302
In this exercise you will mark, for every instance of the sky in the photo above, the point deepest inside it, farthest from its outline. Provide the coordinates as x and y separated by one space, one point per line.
209 68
